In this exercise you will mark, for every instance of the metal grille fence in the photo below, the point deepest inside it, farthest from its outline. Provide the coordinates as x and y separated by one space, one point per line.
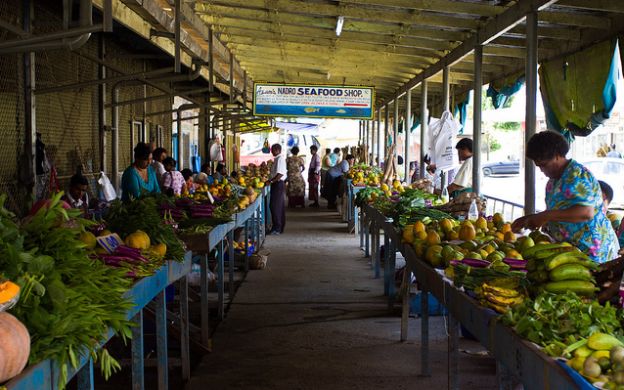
68 121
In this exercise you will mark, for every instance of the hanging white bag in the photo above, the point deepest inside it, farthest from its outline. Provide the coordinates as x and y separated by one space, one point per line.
106 187
442 139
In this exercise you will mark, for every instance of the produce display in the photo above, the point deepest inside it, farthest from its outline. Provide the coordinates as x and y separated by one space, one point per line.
68 301
254 175
63 279
364 175
546 291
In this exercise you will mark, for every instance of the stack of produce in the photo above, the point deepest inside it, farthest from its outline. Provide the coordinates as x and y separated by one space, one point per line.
255 175
364 175
599 358
138 263
68 301
559 268
422 184
126 218
368 195
556 321
246 198
460 205
501 294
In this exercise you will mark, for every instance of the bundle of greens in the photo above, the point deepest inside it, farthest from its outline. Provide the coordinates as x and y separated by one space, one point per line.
143 214
68 301
367 195
423 214
555 321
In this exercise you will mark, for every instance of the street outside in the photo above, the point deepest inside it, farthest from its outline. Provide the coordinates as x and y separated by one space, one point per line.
510 188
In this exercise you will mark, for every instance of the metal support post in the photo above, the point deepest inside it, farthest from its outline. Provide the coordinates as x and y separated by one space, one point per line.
386 134
366 226
395 132
102 73
115 141
405 295
379 142
205 309
221 282
476 156
185 353
424 121
211 59
391 269
246 246
231 76
30 115
445 88
138 366
453 353
531 107
408 127
231 265
161 341
424 332
85 376
177 30
386 264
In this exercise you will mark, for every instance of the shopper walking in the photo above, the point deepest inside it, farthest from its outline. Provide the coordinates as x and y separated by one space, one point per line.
334 180
314 176
276 205
296 185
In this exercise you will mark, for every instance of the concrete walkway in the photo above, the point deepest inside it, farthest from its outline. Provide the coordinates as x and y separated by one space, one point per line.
316 319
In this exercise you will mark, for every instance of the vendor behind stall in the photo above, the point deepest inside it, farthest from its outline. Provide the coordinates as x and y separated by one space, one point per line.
463 179
574 204
77 196
139 178
173 182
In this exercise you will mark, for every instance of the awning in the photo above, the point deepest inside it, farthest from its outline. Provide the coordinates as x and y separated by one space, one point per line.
298 128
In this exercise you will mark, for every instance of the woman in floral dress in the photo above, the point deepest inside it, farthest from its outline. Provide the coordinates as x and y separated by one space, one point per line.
296 184
574 205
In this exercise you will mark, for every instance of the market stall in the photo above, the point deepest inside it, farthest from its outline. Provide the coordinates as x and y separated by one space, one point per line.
488 280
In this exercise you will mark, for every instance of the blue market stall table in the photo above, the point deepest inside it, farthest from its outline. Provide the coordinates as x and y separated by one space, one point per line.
45 375
516 357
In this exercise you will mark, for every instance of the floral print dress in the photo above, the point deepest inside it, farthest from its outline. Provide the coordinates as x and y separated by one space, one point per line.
577 186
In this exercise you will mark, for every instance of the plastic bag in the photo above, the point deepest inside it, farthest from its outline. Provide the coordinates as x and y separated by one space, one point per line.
265 147
215 151
106 188
442 136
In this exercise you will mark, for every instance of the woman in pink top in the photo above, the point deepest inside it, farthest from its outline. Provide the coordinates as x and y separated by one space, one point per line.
172 181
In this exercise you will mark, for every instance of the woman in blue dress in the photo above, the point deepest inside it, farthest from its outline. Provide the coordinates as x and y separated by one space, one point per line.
139 178
574 205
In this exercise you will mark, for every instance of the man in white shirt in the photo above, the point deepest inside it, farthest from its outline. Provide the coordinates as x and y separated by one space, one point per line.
334 178
463 178
276 181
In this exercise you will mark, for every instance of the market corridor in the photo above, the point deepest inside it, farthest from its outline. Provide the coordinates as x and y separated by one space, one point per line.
316 319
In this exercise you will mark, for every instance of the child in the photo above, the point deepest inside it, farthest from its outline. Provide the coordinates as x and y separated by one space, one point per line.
172 181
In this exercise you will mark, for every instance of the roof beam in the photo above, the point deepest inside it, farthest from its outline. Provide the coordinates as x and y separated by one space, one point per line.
321 49
594 5
326 37
255 9
434 6
495 27
575 19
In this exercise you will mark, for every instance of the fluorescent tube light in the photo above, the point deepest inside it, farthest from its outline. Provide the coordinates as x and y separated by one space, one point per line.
339 24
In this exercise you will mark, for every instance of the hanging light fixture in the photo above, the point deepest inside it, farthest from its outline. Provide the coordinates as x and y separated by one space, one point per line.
339 23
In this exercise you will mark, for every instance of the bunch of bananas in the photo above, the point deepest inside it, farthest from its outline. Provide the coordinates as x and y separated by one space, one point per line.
500 294
559 268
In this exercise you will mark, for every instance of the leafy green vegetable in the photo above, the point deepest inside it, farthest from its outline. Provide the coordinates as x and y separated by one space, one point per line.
142 214
68 301
556 320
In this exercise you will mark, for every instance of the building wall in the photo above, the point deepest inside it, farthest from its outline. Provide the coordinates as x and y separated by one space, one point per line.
68 121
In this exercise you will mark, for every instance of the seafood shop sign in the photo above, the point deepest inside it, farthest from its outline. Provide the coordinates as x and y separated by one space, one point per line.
326 101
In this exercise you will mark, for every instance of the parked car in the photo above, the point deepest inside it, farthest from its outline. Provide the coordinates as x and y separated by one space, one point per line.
501 167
